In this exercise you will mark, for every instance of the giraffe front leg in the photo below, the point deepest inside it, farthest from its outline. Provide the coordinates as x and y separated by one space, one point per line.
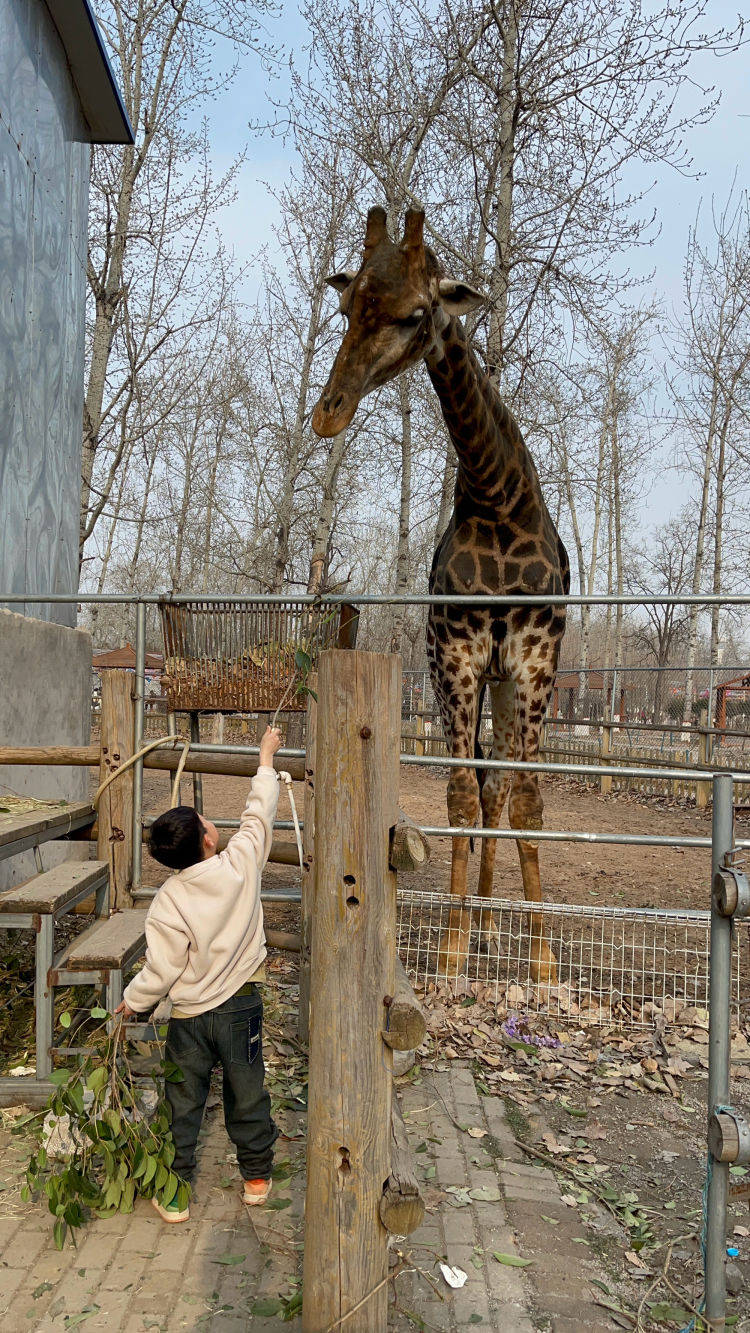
463 810
525 809
493 795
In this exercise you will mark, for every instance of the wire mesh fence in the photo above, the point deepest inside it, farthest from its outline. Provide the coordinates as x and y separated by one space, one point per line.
615 966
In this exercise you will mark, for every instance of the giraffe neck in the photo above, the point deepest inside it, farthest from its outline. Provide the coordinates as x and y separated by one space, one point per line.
491 454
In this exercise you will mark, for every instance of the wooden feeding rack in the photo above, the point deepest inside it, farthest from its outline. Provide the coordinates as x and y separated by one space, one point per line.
228 657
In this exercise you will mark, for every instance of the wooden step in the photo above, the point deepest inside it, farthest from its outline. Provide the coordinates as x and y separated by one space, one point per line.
110 943
19 832
54 889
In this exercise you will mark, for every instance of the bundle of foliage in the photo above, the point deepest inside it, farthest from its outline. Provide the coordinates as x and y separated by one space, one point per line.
120 1145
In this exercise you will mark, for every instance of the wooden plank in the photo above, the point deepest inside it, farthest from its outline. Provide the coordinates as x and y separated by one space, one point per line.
51 891
114 834
86 756
406 1024
107 943
401 1205
308 863
353 948
226 765
410 849
44 824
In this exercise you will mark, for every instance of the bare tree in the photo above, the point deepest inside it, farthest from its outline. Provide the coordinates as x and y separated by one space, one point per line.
153 281
709 391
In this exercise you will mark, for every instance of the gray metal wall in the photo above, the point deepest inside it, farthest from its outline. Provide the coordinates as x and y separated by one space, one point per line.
44 165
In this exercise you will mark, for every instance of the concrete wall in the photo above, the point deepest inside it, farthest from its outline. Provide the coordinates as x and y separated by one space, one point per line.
45 699
44 167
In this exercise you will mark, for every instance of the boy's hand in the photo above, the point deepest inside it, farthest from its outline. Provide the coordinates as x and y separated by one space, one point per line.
125 1010
270 743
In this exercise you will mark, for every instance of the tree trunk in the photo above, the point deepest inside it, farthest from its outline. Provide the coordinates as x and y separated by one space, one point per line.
719 535
500 281
700 543
404 517
447 491
324 526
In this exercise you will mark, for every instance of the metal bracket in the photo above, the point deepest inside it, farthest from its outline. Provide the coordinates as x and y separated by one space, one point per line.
731 889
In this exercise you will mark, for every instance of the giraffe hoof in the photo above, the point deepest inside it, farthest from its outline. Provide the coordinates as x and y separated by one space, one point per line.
452 953
544 968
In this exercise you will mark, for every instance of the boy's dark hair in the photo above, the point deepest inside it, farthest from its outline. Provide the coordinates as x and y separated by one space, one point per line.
176 838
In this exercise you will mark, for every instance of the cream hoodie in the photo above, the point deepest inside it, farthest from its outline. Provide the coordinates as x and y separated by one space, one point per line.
204 929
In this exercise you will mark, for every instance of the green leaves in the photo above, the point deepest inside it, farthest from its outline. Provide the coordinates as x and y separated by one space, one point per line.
511 1260
97 1079
118 1150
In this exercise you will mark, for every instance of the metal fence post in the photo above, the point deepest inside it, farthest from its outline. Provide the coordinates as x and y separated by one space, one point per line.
139 696
720 972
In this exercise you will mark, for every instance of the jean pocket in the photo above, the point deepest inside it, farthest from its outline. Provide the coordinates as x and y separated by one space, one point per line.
247 1038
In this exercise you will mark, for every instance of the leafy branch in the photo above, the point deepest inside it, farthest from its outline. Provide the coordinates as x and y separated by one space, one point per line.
120 1147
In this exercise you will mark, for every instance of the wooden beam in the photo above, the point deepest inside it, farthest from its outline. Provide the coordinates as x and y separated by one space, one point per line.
115 822
401 1205
308 863
226 765
283 852
405 1021
82 756
353 947
410 849
283 939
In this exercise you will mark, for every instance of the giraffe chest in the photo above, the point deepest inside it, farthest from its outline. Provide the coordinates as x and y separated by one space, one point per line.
482 557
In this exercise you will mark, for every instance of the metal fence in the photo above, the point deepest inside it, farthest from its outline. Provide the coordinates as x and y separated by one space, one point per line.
729 1134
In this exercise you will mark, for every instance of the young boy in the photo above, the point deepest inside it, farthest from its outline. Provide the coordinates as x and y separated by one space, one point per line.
205 949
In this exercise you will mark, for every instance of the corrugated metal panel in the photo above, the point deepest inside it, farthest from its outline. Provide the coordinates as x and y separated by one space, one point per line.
44 162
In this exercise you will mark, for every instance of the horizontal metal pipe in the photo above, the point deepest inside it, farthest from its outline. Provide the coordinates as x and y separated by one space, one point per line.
555 835
380 599
565 770
205 748
286 824
266 896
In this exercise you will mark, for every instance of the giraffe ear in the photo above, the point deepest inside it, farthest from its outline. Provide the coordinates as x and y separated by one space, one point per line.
458 297
340 281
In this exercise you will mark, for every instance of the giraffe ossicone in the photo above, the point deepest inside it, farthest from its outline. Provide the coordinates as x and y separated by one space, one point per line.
400 309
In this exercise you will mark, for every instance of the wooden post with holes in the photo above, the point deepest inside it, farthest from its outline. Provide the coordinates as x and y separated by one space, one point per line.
606 783
115 815
308 862
703 789
351 974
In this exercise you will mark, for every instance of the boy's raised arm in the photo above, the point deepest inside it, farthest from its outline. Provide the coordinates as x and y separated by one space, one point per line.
255 833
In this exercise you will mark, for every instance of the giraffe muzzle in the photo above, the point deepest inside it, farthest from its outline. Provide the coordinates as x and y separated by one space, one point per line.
332 414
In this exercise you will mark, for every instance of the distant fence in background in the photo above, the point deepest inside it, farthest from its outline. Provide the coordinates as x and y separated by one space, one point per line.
623 733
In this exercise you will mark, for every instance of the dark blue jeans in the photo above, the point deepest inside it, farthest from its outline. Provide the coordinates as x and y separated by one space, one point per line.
230 1035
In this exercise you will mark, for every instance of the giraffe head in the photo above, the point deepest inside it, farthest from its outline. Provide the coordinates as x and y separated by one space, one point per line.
392 307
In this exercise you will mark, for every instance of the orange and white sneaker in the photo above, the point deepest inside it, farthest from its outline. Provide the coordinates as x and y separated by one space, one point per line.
255 1191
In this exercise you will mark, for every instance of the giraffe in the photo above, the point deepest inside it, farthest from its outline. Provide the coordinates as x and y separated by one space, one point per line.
400 309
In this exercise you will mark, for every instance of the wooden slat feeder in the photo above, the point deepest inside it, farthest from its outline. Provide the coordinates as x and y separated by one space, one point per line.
228 657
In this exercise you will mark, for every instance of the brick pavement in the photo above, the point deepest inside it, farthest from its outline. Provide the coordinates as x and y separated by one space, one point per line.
218 1272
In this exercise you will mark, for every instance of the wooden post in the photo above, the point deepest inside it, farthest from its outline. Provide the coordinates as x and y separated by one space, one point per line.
308 862
703 789
352 970
606 783
419 742
115 822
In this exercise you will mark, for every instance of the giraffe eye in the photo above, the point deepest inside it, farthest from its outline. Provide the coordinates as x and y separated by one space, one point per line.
415 316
